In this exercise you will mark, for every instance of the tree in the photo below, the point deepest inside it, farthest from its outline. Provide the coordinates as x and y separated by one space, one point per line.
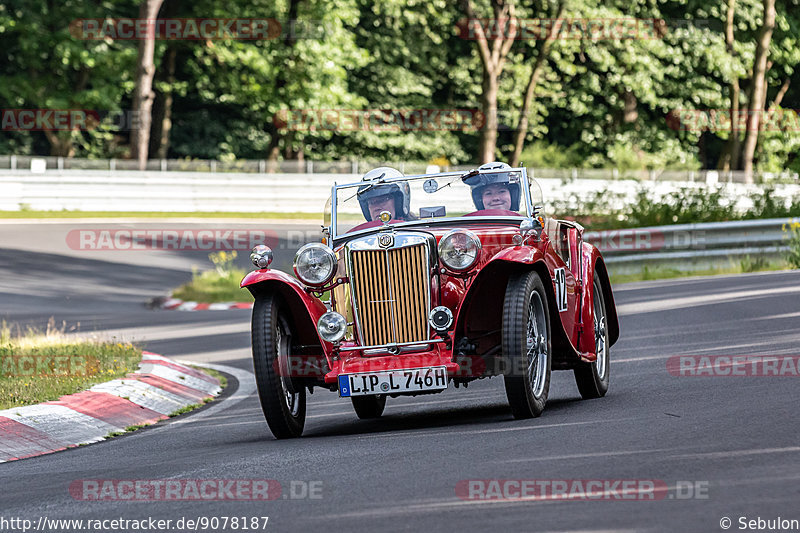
49 65
758 93
729 159
542 51
493 53
143 94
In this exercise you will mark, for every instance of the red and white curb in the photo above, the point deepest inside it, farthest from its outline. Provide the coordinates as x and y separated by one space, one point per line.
179 305
159 388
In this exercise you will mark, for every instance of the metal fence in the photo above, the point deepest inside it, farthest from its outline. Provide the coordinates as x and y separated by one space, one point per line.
43 164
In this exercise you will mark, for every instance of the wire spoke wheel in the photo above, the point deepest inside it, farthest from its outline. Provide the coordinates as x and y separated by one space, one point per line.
537 343
593 378
283 400
526 343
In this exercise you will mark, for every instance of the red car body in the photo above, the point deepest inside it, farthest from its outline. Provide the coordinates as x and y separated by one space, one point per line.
571 271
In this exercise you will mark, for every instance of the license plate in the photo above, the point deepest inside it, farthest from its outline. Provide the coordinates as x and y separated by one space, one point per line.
393 381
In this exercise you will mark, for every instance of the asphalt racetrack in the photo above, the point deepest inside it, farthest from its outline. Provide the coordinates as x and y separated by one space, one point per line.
716 447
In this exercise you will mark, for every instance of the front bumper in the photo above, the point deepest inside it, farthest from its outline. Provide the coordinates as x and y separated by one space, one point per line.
355 365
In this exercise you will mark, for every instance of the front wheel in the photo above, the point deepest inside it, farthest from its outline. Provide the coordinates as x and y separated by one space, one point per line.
283 401
592 378
369 406
526 345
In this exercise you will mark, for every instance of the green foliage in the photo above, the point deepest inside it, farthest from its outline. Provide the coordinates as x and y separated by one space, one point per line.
541 154
683 206
218 285
223 262
601 102
792 231
753 264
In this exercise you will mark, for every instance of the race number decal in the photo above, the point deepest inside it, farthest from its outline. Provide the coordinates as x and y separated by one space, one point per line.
561 288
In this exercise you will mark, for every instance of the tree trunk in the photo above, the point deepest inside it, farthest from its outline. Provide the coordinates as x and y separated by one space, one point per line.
729 160
488 142
143 95
493 58
630 111
759 88
275 134
165 80
60 143
542 51
162 108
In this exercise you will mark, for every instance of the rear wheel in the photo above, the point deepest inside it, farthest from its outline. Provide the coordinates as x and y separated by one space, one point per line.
369 406
526 345
592 378
283 401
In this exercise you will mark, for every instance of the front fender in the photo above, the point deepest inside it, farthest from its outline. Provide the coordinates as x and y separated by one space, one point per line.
304 308
482 308
526 255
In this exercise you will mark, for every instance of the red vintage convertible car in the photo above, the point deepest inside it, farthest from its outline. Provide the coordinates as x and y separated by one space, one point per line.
423 281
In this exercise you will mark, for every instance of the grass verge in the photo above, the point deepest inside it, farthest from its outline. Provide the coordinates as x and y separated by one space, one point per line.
223 381
213 287
40 366
744 266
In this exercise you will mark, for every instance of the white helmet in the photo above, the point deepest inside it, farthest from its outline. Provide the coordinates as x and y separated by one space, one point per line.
399 190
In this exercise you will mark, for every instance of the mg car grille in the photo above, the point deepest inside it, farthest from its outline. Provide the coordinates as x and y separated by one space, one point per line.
390 290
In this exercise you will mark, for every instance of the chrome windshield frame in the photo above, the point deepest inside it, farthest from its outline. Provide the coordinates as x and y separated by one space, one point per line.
530 209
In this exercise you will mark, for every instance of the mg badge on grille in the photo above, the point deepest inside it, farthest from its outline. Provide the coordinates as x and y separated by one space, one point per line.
386 240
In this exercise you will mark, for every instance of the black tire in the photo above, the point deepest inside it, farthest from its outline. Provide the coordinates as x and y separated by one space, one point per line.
369 406
526 345
283 402
593 378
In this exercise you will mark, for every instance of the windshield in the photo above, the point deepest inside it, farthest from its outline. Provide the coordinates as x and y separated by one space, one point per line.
431 198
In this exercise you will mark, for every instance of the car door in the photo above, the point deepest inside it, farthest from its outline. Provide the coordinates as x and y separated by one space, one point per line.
566 238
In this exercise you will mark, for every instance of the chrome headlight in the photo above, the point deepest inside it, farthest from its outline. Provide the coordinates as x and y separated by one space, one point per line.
261 256
332 326
315 264
459 249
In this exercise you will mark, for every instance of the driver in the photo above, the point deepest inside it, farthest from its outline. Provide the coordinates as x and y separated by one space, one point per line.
494 190
392 197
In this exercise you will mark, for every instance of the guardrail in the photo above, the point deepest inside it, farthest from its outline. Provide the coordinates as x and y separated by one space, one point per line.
691 246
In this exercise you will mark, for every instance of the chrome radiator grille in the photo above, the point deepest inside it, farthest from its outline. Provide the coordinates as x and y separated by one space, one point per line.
390 290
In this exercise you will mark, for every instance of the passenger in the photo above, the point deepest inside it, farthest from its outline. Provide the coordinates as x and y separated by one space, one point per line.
494 190
392 197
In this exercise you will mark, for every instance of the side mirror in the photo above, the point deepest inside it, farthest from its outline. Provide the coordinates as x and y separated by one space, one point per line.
529 228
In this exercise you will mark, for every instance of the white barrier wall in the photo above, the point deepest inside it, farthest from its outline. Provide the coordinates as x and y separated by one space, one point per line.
92 190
